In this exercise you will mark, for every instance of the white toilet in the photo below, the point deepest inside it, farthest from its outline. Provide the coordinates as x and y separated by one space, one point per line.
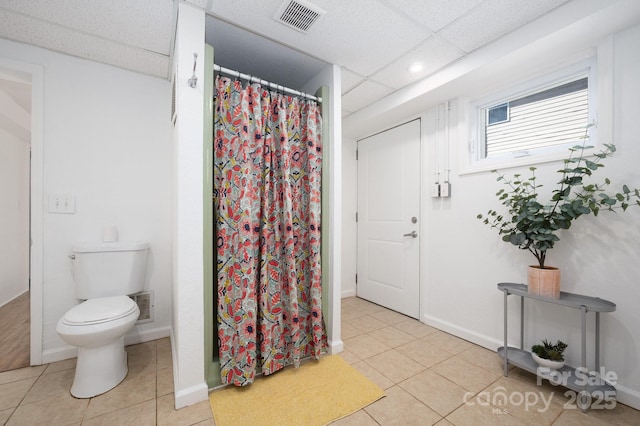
104 274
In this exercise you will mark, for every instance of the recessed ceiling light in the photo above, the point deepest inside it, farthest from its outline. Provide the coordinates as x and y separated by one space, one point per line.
417 67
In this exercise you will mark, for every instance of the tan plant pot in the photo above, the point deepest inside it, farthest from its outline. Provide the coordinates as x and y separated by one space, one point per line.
544 282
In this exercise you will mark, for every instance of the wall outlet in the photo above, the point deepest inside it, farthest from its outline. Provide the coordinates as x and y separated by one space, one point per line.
445 189
62 203
435 190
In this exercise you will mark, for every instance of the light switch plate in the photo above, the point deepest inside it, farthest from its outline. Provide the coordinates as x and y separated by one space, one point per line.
62 203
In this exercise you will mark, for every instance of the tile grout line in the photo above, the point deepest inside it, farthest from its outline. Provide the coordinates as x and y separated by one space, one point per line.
26 393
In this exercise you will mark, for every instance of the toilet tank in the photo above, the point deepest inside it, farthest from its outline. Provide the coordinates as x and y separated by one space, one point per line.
109 269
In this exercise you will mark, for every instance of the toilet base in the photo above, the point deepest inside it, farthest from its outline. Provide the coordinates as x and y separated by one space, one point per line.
99 369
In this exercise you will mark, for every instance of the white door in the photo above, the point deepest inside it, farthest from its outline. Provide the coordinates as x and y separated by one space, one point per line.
389 219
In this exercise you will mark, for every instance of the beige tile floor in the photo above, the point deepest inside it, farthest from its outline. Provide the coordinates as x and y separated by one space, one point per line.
40 395
427 376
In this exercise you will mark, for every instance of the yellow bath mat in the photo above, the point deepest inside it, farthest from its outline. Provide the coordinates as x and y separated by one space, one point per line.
317 393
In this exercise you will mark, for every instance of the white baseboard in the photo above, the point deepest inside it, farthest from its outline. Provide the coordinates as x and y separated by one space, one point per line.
466 334
59 354
11 299
191 395
626 396
347 293
335 346
141 336
68 351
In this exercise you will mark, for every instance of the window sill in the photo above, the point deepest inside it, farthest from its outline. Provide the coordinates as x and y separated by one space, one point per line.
504 163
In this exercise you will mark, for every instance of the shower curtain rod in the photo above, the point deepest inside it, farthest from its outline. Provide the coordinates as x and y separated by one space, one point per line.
251 78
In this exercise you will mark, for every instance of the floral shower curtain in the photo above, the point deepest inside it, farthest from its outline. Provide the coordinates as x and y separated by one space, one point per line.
267 169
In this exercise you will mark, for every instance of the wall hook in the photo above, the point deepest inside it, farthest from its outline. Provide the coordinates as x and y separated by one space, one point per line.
193 81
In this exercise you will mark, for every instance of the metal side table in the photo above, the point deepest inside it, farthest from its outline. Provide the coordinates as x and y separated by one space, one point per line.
580 380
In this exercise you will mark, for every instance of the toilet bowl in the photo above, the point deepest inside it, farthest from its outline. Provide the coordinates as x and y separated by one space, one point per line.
97 327
104 275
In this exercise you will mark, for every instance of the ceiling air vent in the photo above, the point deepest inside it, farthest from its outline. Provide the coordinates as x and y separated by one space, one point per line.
298 14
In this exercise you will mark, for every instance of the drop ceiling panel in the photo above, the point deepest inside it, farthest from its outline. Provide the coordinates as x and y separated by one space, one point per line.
363 95
493 19
360 34
203 4
434 14
363 35
374 41
349 79
29 30
143 23
433 54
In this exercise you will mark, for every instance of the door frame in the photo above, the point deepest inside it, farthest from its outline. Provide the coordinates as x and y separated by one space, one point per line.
36 202
422 176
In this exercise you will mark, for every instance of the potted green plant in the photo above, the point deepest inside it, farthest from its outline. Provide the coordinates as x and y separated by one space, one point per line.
533 225
548 354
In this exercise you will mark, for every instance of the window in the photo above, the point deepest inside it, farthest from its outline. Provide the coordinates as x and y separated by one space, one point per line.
547 118
535 121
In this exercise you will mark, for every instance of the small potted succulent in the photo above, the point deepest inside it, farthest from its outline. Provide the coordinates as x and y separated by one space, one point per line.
549 355
533 224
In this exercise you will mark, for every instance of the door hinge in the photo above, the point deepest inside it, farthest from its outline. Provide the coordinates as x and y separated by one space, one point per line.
356 154
356 278
356 216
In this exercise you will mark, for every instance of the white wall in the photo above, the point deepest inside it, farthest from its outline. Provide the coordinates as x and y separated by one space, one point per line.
187 226
14 211
106 140
463 259
598 257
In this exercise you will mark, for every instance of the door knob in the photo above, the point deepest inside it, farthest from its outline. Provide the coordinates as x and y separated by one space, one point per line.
412 234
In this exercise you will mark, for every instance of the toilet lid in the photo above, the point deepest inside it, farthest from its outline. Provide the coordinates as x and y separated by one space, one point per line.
95 311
